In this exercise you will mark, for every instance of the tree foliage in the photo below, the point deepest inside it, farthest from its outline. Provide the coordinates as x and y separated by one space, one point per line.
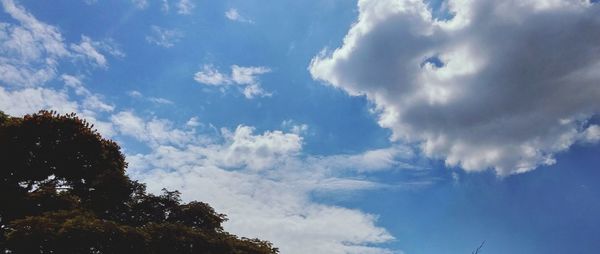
63 189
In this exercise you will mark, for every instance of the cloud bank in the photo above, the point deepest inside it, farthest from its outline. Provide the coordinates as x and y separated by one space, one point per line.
262 181
502 85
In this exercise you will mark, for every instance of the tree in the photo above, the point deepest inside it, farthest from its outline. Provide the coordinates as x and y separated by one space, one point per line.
63 189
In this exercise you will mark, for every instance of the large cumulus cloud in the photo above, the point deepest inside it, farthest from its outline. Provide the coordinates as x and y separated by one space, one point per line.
501 84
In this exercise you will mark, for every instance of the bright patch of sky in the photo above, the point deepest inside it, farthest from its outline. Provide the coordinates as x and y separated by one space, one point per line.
369 126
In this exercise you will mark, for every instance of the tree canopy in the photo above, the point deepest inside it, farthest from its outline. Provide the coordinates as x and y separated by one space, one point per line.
63 189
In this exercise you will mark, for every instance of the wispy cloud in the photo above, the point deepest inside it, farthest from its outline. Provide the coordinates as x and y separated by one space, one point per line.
32 53
247 77
32 49
156 100
233 15
90 100
86 104
183 7
86 49
140 4
163 37
294 127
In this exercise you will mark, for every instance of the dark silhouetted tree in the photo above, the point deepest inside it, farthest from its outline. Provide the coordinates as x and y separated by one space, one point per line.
63 189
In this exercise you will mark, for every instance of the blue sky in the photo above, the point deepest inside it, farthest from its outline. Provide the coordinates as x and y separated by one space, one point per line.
331 126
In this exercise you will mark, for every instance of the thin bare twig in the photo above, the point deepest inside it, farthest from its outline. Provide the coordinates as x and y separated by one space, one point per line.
478 248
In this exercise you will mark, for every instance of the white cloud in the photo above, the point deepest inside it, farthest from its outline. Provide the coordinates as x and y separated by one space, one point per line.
140 4
90 100
163 37
86 49
154 132
158 100
260 207
373 160
135 94
247 77
256 152
30 100
109 46
165 7
185 7
592 134
263 182
155 100
209 75
45 37
455 177
233 15
30 55
294 127
193 122
517 78
31 50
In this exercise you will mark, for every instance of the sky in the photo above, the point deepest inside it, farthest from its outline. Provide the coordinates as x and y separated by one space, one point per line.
337 126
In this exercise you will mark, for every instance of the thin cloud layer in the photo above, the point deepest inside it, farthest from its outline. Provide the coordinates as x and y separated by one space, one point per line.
492 84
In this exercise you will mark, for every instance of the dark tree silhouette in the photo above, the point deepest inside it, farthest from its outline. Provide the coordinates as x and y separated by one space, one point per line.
63 189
